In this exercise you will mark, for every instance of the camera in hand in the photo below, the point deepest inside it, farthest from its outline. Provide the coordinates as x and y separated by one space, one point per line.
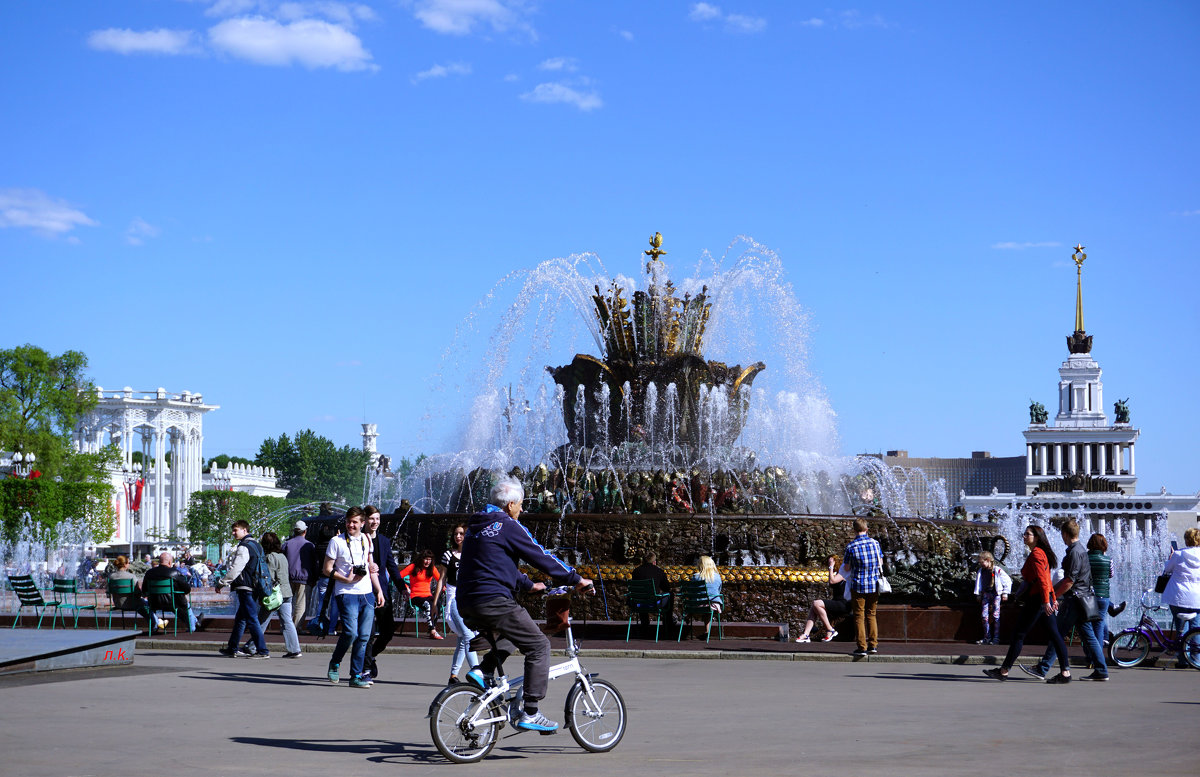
359 569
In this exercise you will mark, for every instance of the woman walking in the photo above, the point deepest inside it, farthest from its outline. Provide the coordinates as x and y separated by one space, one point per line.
447 585
1037 599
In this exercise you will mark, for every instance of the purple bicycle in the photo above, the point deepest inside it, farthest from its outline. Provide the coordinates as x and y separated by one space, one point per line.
1131 646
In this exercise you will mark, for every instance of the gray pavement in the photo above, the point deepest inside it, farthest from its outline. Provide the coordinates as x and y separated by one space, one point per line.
189 713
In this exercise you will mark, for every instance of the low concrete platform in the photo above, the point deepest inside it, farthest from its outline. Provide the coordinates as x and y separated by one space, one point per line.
30 650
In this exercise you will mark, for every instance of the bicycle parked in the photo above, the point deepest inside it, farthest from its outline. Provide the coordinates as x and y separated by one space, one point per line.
465 722
1131 646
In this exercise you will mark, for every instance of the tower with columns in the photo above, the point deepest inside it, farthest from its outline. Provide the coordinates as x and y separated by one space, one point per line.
1081 446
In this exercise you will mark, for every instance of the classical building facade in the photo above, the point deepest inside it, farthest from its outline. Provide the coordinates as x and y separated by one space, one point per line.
1081 460
167 430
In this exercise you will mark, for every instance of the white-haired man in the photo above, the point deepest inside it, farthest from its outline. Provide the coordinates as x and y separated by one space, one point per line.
488 580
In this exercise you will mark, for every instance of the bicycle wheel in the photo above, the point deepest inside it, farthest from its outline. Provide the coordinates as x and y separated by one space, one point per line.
596 727
1129 648
1190 649
453 734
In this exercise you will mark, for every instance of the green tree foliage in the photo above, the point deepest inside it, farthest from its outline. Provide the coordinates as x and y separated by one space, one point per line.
211 513
50 502
222 461
311 467
41 399
407 465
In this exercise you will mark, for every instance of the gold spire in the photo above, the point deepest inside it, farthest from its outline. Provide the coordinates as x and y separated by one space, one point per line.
655 247
1079 258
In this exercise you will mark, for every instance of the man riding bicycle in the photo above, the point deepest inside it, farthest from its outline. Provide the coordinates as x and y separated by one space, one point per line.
488 580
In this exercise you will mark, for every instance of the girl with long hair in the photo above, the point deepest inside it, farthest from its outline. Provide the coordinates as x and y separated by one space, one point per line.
1037 599
447 586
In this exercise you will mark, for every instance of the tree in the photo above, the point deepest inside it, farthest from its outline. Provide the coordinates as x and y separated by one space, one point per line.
312 467
42 397
223 460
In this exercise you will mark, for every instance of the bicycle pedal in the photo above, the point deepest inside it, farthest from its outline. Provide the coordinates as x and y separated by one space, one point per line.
548 733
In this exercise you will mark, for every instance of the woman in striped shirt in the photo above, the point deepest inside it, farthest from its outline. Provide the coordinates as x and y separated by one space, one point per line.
1101 575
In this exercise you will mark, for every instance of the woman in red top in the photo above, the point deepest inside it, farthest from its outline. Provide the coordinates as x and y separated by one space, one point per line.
420 577
1037 599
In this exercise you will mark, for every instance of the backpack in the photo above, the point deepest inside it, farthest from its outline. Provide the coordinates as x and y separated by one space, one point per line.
257 572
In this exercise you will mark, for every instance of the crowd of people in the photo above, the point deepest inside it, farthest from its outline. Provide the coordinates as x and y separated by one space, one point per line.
476 579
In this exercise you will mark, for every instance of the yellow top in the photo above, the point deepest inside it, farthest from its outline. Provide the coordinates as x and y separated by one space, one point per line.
1079 258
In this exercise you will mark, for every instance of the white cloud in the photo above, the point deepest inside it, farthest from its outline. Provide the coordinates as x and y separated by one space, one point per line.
740 23
345 14
626 34
139 231
853 20
34 209
309 42
441 71
223 8
813 22
512 77
566 64
144 42
734 22
561 93
461 17
1013 246
1189 213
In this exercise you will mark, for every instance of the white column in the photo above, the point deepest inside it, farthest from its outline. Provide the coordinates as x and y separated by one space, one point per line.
1058 459
1045 459
1087 458
1102 452
1132 471
1073 458
1028 460
160 476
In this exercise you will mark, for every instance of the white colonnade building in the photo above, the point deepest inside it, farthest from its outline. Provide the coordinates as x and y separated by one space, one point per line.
156 424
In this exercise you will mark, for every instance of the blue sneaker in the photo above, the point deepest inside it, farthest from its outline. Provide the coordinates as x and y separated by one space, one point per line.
476 678
536 722
332 674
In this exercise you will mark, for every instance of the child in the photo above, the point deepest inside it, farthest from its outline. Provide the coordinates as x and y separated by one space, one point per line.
420 577
992 586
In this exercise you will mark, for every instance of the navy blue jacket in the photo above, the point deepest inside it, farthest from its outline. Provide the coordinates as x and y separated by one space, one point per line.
382 548
494 546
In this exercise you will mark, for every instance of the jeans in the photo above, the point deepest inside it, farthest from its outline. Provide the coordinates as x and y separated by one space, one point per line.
1070 613
1102 625
358 621
465 635
385 621
247 616
291 640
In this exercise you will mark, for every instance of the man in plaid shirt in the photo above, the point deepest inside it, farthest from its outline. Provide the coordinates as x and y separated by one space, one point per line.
865 559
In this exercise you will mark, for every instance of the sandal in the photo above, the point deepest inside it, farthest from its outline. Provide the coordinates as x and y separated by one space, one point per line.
803 638
829 636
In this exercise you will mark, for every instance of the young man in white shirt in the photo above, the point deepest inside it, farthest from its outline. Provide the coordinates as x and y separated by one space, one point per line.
348 562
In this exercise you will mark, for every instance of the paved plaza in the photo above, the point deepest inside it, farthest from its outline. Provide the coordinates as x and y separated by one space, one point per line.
192 713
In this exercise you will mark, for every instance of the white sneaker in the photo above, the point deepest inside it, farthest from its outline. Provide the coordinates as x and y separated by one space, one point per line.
536 722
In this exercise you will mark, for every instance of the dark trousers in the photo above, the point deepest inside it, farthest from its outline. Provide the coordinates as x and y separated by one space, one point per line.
1028 616
385 627
667 602
504 627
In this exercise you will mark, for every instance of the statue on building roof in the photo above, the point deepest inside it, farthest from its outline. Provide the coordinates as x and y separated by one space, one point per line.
1121 410
1037 413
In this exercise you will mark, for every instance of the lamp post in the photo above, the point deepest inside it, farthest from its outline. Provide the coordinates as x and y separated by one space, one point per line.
132 476
23 464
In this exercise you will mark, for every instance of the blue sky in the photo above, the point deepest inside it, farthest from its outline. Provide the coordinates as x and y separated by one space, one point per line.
291 206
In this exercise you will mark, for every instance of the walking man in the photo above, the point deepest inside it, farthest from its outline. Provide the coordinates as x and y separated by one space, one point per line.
865 559
348 564
302 562
384 564
248 551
